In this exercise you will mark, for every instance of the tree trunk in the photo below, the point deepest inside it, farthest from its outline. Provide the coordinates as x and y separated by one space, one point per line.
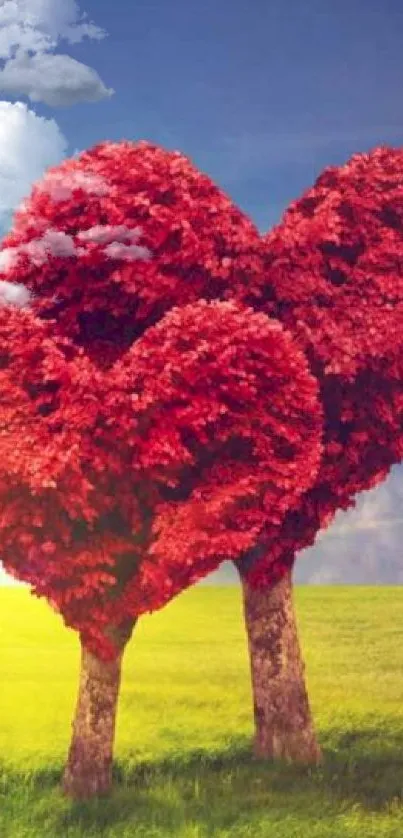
283 723
88 771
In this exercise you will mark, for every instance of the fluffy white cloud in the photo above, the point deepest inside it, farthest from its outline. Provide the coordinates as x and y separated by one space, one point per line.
56 80
30 31
60 185
52 243
127 252
28 145
14 294
59 244
39 25
108 233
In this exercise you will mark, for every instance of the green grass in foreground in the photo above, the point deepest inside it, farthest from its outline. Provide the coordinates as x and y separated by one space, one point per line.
183 741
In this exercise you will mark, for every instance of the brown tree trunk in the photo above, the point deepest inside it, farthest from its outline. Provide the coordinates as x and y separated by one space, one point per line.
88 771
283 723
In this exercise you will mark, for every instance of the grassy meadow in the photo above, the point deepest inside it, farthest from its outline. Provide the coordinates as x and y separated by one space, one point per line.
183 763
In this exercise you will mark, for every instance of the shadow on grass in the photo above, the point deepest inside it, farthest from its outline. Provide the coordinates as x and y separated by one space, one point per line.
223 789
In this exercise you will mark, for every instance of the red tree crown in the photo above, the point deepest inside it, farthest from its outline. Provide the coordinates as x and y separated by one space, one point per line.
161 440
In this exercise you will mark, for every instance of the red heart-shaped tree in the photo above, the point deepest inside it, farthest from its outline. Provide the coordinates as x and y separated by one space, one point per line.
333 275
330 272
143 445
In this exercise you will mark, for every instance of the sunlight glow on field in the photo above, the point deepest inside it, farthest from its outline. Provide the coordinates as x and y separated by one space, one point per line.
185 723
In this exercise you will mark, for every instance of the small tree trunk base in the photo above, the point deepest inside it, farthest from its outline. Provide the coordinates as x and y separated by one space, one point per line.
297 749
283 724
80 782
88 771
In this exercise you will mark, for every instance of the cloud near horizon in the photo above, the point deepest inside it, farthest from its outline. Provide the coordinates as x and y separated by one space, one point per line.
364 544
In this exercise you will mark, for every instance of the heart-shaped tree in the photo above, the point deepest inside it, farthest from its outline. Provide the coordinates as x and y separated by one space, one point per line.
140 445
334 277
330 272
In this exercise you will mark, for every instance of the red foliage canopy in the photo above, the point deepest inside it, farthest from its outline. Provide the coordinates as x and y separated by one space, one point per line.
334 277
110 240
156 449
232 431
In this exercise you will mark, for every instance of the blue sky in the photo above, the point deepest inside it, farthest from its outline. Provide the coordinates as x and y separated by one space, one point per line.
260 94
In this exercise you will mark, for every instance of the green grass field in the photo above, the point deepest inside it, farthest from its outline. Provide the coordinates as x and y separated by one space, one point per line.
183 763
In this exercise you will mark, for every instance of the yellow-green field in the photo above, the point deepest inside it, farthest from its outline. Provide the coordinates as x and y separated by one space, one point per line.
183 740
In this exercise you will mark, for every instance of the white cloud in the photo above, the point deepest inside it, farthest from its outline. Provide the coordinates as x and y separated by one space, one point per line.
14 293
363 545
52 243
127 252
8 258
59 19
376 509
60 185
56 80
28 145
37 26
59 244
30 30
108 233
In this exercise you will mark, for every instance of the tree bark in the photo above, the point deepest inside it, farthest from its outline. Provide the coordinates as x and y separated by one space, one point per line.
88 771
283 722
